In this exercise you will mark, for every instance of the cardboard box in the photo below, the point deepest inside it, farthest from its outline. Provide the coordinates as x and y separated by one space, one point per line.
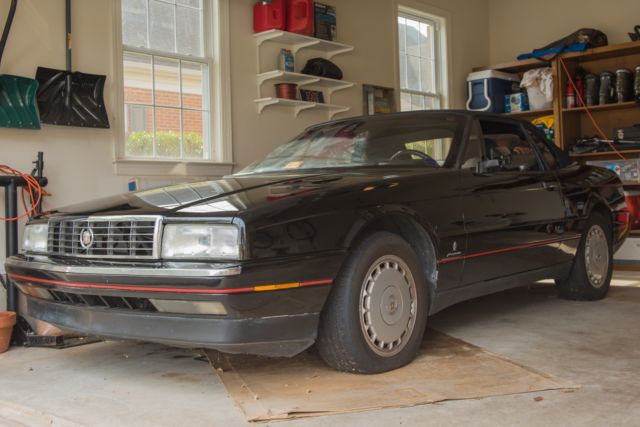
325 22
627 170
516 102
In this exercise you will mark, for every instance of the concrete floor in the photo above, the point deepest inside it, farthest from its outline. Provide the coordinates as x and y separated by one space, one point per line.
596 345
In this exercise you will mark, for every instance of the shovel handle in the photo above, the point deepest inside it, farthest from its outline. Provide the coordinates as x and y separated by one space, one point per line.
7 26
69 38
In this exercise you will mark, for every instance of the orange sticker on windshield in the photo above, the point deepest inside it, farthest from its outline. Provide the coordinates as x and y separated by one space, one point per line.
294 165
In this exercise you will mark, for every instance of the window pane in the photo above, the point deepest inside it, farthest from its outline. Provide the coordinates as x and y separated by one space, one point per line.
192 3
430 103
134 23
192 85
403 71
168 138
138 130
417 102
426 42
405 102
427 76
163 32
402 22
167 82
189 31
193 134
413 37
413 73
138 80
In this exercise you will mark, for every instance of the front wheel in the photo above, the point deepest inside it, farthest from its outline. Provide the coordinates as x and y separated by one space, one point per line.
590 276
375 317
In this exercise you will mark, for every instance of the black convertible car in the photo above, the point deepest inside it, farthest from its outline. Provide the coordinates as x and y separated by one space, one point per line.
349 237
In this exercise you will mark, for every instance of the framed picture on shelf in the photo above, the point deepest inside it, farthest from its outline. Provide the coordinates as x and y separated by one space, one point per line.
312 96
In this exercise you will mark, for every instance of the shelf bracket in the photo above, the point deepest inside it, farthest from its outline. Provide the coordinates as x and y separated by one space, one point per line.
309 81
299 46
344 86
333 113
339 52
299 109
265 104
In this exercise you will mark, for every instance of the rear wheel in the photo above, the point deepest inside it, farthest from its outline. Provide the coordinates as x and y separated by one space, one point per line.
375 317
593 266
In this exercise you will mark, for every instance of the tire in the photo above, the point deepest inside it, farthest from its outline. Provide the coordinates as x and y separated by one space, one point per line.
590 275
353 335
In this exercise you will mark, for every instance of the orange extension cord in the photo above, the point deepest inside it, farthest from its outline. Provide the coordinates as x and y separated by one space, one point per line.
586 107
33 189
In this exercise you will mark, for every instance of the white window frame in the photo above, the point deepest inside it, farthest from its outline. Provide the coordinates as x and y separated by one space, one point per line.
440 20
216 51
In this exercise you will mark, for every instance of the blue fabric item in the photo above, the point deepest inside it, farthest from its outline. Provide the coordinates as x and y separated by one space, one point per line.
576 47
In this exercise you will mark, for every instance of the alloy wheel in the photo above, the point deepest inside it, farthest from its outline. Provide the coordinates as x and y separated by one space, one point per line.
388 305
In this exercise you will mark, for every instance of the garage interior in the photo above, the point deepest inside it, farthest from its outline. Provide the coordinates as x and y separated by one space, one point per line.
194 90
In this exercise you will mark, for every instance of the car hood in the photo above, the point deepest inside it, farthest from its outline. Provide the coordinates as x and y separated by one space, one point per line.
228 196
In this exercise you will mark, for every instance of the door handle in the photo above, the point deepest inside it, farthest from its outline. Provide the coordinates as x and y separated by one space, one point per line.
549 187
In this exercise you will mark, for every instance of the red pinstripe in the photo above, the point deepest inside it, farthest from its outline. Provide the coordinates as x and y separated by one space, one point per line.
155 289
507 249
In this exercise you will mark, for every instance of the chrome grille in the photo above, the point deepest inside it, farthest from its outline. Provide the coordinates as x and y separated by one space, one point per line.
112 237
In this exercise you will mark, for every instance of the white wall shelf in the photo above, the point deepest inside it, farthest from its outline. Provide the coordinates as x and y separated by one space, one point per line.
298 42
299 106
302 80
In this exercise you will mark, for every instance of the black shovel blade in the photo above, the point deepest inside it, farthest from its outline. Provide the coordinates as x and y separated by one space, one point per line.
67 98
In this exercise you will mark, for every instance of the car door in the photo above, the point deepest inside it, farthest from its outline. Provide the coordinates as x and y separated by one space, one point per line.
513 211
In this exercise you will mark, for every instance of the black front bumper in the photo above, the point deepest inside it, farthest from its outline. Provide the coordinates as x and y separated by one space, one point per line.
270 336
266 313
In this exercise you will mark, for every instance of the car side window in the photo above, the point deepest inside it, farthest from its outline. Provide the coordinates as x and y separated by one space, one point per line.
473 150
548 157
506 143
437 149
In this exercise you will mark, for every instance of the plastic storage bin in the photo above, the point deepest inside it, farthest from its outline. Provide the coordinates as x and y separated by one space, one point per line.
487 90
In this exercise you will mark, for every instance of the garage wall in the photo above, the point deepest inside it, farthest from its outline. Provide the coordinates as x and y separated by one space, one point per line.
79 162
517 26
369 26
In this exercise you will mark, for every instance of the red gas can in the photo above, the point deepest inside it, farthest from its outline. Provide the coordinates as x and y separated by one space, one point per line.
300 16
269 15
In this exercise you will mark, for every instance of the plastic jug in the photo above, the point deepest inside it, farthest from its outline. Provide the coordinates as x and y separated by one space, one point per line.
300 17
269 15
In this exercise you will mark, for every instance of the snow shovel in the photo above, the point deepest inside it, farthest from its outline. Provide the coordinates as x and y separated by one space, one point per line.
18 108
71 98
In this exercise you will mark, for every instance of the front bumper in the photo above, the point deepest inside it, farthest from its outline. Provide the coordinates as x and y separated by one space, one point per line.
271 308
278 336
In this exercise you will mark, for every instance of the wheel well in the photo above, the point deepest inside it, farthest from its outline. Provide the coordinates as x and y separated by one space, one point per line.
418 238
604 210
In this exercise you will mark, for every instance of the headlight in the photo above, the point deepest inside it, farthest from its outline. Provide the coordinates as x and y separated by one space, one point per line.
199 241
34 238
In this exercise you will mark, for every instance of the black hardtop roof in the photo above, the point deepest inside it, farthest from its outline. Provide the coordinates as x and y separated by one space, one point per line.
392 116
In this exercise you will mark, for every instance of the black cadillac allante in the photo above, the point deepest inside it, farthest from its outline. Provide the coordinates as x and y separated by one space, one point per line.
348 237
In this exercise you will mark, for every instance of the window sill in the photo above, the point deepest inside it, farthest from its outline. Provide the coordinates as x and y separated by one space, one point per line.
204 169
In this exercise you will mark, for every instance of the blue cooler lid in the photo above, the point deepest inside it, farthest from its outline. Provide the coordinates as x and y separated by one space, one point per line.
492 74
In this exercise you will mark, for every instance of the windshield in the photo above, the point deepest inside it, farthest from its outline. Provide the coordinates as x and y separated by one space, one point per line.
419 140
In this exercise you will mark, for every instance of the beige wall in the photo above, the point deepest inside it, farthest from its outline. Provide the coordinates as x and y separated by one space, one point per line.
518 26
79 162
369 26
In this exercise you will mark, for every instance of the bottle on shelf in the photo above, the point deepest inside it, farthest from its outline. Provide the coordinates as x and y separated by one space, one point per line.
570 96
